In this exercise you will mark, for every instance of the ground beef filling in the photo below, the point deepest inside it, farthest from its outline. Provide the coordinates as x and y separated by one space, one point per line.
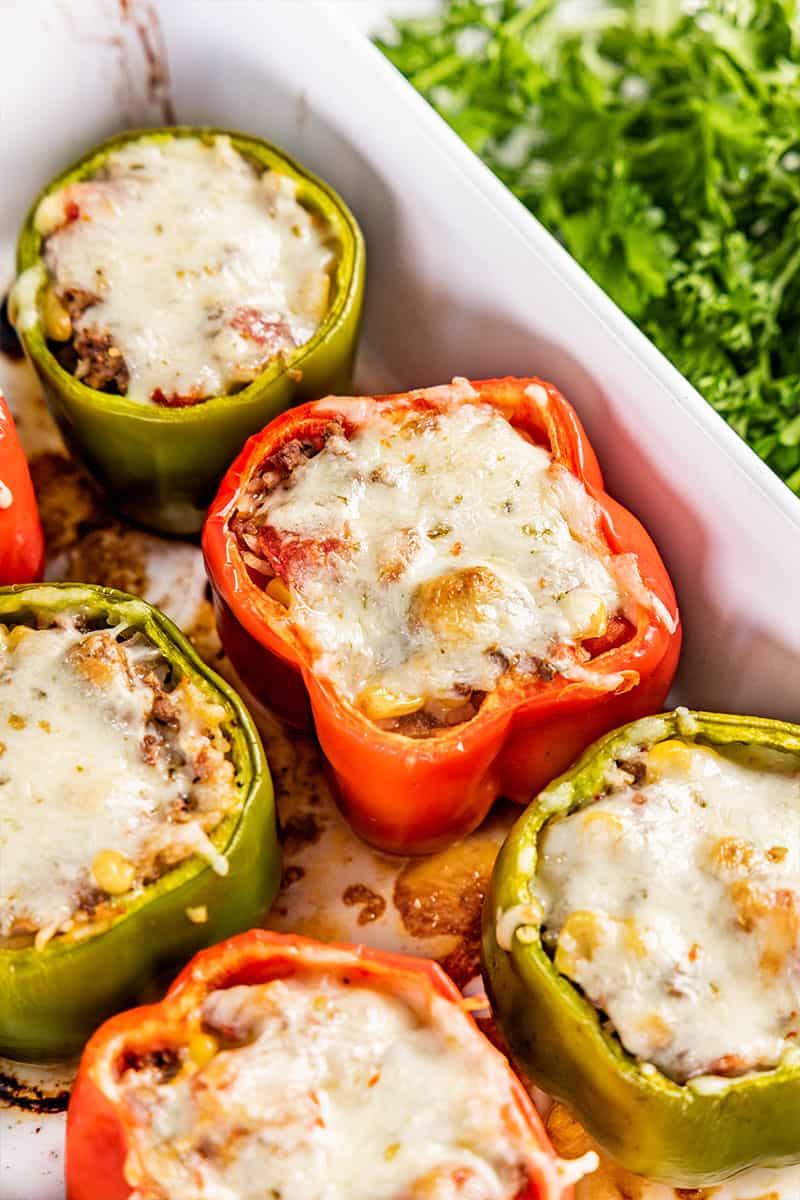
90 354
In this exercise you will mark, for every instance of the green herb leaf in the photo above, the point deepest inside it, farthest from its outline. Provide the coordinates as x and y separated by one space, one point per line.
663 150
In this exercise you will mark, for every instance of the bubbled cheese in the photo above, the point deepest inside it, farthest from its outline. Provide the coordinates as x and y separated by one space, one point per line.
455 549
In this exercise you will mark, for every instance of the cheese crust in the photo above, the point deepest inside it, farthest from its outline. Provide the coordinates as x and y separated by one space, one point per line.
179 272
314 1086
111 772
673 901
430 557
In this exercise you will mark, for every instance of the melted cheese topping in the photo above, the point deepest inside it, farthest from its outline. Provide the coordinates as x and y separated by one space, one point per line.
335 1091
454 549
97 793
202 269
675 905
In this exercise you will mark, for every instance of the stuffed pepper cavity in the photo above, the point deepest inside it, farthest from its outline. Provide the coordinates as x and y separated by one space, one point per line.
644 917
280 1066
177 288
444 577
21 537
135 806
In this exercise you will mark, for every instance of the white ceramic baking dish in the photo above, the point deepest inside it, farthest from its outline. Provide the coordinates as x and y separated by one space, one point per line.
462 280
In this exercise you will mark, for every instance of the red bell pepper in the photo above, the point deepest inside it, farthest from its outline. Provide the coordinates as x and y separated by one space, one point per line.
21 537
413 795
102 1162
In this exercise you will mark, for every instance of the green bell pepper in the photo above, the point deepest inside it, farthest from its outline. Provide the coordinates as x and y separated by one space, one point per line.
161 465
688 1135
52 998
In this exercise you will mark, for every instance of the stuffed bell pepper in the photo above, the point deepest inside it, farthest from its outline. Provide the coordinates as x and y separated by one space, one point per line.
443 577
279 1066
21 537
136 810
641 940
178 288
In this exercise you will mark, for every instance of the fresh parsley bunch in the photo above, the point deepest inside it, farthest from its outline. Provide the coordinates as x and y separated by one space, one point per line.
661 144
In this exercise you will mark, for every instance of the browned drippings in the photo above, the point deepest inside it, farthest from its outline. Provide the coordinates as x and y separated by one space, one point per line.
68 503
10 345
204 637
14 1093
443 894
372 904
115 557
97 547
300 830
291 875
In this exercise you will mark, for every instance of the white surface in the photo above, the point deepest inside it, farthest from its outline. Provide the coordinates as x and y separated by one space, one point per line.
461 281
